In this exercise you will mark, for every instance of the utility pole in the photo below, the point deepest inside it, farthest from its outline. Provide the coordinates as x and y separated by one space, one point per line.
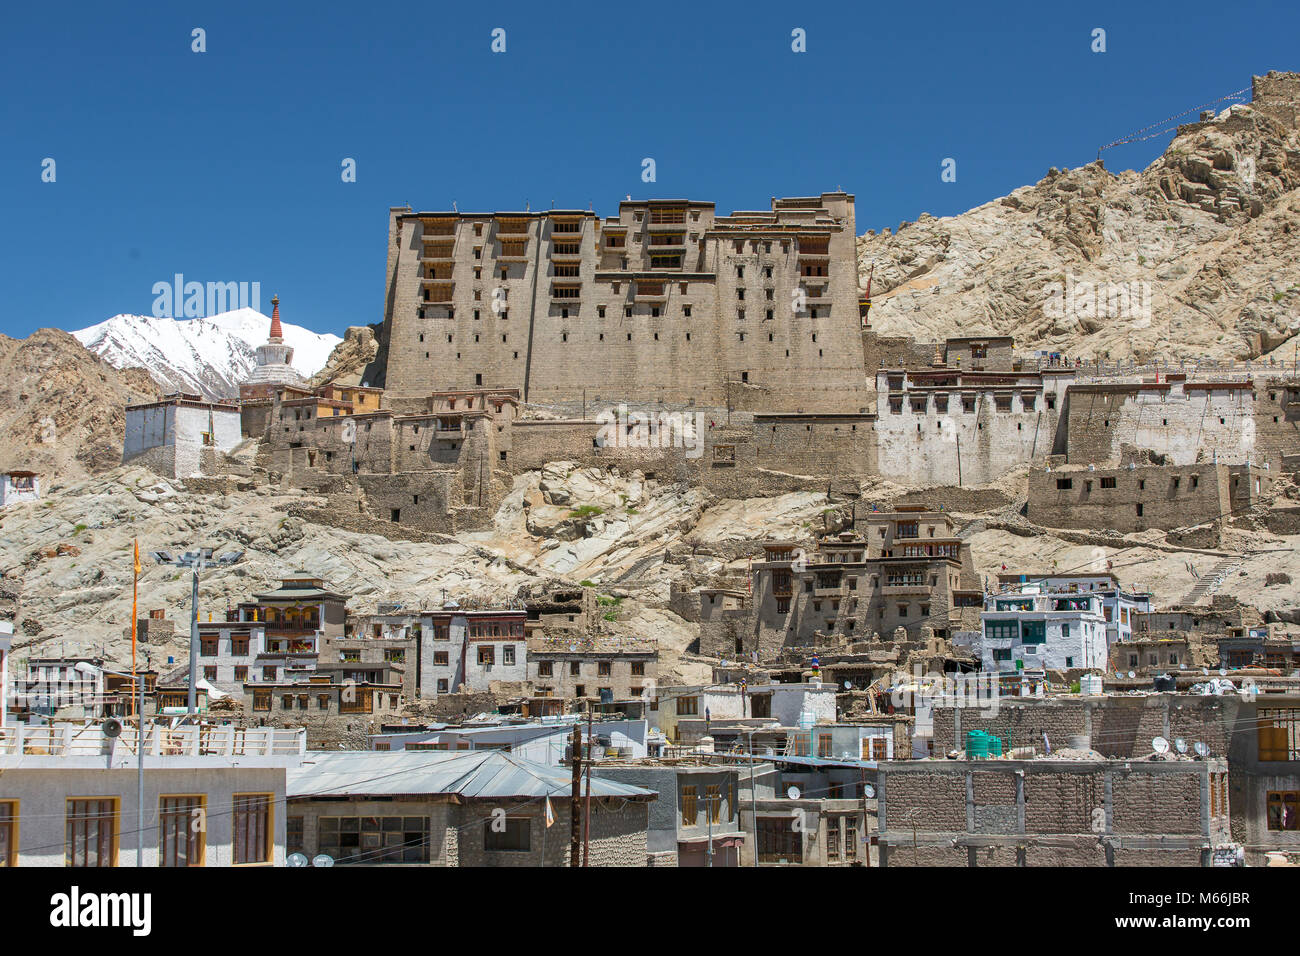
958 435
575 821
196 561
586 826
708 814
753 801
866 835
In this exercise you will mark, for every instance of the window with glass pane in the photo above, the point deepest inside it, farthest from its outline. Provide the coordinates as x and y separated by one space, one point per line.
252 828
8 833
293 835
713 794
181 826
1282 807
690 811
516 836
91 835
778 841
375 840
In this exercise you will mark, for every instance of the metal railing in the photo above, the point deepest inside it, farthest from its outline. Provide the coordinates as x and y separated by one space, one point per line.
89 740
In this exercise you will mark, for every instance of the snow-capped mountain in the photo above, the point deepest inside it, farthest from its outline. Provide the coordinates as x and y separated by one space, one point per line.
210 356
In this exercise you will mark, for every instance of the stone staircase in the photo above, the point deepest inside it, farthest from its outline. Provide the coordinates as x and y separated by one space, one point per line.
1209 582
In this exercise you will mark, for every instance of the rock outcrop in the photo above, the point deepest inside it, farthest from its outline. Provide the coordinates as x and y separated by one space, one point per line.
62 408
1195 255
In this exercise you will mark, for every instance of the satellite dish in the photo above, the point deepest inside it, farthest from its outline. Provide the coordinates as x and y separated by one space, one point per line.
1201 749
1160 745
1223 672
848 685
1180 745
1131 675
869 791
793 793
112 728
322 859
296 859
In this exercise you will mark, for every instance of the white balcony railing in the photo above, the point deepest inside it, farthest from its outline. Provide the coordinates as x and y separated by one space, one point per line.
89 740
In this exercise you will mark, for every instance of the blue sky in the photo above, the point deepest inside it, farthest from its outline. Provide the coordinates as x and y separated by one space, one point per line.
225 165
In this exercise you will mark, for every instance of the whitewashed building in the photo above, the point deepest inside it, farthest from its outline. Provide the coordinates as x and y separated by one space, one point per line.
1118 604
234 653
470 649
180 435
19 486
68 795
1038 629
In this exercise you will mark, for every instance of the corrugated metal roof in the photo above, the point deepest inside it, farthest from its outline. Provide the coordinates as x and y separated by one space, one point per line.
486 774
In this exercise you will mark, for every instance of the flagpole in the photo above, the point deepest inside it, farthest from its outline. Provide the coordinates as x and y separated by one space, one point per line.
139 712
135 616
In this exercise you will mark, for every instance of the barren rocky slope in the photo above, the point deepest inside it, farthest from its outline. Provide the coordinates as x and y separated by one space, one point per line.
66 561
1212 227
62 408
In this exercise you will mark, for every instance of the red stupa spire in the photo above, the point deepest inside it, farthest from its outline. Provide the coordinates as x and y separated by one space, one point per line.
277 334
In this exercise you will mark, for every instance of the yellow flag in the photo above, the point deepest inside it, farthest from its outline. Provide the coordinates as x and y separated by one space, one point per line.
550 814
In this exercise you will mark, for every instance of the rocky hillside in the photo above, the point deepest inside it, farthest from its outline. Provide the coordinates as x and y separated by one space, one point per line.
348 364
1199 253
62 408
65 562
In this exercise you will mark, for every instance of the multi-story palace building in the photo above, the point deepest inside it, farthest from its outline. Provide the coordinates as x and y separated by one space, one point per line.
665 302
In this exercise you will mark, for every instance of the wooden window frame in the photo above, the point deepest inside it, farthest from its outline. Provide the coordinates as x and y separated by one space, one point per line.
1279 797
491 836
173 822
114 837
1278 734
690 805
240 841
773 840
9 817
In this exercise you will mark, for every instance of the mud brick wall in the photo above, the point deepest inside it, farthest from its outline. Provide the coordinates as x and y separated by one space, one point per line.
1156 803
1116 726
1063 802
938 799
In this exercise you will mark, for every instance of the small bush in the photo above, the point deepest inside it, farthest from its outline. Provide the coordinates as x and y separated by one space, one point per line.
1277 577
585 511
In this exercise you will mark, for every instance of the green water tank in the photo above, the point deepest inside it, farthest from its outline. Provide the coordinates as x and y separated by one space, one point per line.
981 746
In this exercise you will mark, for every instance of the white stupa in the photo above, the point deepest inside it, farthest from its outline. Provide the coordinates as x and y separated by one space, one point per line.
273 358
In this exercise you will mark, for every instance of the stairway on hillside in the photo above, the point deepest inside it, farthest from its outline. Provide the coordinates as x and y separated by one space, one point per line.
1209 582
